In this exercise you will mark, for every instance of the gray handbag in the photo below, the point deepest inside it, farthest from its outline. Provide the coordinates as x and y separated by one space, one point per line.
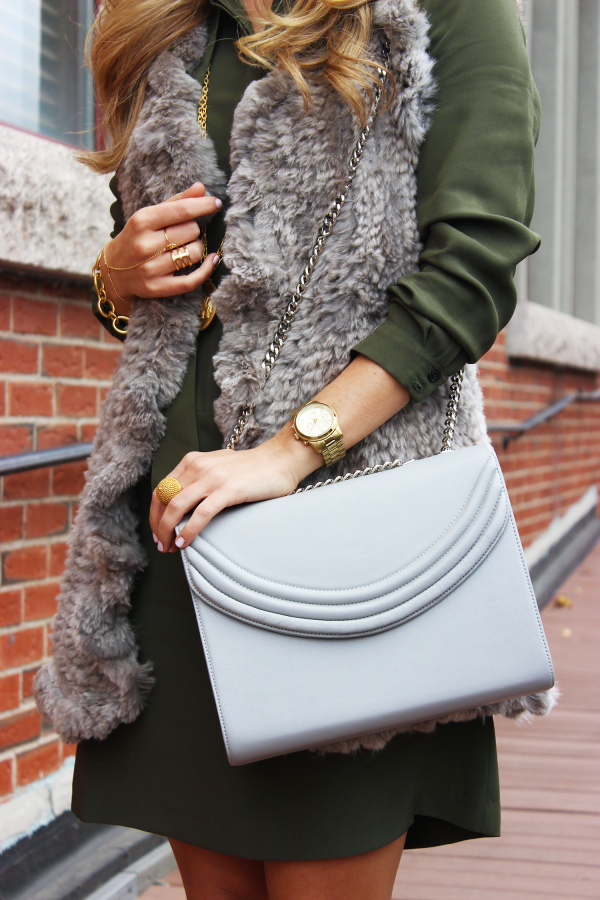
417 606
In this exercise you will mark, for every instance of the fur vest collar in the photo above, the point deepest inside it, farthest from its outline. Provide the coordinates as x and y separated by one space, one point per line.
286 169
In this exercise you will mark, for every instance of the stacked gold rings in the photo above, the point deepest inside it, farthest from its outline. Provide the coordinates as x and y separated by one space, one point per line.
167 489
181 257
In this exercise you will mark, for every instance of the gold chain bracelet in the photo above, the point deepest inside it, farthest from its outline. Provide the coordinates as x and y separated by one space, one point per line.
105 306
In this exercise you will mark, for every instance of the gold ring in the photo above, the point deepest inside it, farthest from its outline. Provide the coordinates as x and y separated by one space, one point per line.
167 489
170 246
181 255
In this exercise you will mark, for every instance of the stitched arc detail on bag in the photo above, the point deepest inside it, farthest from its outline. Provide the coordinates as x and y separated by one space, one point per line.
297 633
318 591
407 617
372 584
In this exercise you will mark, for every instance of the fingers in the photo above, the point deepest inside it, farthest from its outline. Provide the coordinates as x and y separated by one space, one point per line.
168 286
178 210
165 264
204 512
196 190
187 500
186 472
179 235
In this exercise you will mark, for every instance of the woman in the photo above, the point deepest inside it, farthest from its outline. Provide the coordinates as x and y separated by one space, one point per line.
415 282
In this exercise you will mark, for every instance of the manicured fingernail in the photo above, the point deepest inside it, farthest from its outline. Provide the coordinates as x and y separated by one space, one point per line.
218 203
180 542
154 538
161 549
216 259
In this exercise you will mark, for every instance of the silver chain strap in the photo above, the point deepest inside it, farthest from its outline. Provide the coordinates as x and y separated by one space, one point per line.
324 231
452 411
287 319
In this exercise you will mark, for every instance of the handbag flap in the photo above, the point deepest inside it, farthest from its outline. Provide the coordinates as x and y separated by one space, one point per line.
357 557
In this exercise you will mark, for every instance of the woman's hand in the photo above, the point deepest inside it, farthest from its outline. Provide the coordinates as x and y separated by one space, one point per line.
364 396
213 481
144 236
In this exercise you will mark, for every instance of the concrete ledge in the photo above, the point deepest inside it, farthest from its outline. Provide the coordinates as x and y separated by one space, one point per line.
548 575
54 212
137 878
544 335
105 853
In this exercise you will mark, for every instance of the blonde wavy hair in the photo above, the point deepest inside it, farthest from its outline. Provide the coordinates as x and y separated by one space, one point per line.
316 40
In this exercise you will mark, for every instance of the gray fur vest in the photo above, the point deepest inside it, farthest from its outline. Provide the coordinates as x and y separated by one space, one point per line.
287 167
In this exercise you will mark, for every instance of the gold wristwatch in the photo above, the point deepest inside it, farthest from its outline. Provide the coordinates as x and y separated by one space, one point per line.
316 425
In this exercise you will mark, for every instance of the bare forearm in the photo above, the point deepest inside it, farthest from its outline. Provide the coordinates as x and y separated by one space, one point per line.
364 396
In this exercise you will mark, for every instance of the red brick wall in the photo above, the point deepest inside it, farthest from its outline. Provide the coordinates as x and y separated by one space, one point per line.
55 366
550 468
56 363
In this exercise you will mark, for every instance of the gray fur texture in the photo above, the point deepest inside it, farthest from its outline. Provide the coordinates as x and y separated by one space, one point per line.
286 169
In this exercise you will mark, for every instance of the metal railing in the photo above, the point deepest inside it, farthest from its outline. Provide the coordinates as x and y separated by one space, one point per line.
517 429
40 459
56 456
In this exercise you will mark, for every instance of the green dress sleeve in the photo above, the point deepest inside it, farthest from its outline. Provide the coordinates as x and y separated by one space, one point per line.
475 197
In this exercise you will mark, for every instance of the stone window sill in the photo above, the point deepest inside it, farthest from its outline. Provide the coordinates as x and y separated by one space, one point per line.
545 335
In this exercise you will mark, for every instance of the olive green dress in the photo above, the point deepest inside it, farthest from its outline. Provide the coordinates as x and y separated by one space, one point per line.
167 772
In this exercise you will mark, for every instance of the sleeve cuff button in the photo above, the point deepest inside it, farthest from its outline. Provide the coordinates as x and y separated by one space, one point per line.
433 375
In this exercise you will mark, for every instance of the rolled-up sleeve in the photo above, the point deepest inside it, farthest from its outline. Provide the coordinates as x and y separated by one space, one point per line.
475 197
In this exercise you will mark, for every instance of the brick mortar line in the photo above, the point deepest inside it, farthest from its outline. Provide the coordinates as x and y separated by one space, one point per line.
503 387
57 300
26 667
556 478
47 738
35 744
55 340
16 585
10 376
567 453
26 706
35 501
50 541
547 469
20 627
47 380
84 342
57 419
25 543
542 502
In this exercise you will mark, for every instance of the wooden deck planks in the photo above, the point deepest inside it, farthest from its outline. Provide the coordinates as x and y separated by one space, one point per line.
550 778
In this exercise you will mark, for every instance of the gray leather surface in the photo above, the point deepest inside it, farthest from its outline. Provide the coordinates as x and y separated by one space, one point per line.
423 576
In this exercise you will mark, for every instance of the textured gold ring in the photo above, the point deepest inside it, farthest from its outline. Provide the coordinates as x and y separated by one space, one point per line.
167 489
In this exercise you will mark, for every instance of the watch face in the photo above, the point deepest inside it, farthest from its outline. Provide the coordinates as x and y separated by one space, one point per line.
315 420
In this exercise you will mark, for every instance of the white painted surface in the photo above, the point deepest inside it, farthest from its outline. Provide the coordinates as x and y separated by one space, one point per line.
547 335
36 805
54 212
561 526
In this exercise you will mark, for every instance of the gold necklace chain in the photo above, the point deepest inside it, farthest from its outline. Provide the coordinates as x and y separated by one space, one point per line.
202 110
207 311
